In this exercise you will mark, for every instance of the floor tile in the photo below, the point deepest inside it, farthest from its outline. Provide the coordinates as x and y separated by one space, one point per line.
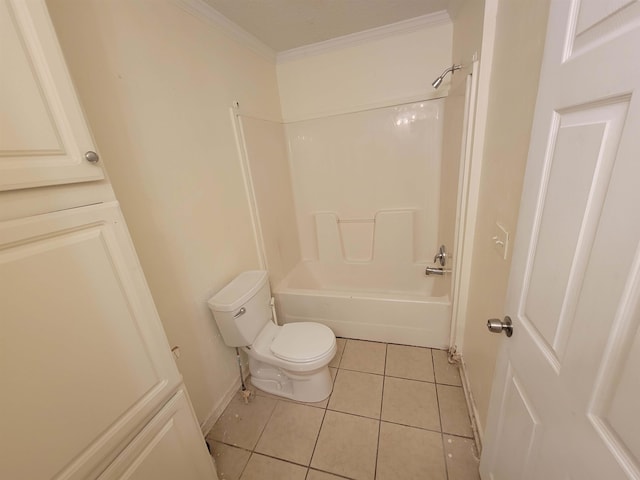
347 446
461 457
241 424
230 461
409 453
364 356
340 343
383 420
317 475
291 432
411 403
453 411
409 362
447 373
358 393
266 468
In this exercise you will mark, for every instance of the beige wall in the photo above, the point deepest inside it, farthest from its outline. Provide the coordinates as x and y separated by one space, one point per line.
517 54
266 151
387 70
466 16
157 84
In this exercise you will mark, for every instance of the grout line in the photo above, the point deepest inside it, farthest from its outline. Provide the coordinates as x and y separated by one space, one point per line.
245 465
234 446
391 343
315 445
444 454
361 371
457 435
329 473
342 353
355 414
326 407
384 369
448 384
265 425
417 428
408 378
281 459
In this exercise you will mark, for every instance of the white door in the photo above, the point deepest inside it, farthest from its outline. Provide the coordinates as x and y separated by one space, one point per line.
566 395
168 448
84 362
43 134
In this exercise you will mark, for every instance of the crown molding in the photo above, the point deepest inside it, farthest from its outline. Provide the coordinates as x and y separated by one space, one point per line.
358 38
204 11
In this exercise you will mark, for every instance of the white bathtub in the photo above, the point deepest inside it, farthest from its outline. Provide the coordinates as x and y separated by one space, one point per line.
394 303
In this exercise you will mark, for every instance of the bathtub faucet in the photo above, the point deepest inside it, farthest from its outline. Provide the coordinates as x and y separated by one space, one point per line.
436 271
441 256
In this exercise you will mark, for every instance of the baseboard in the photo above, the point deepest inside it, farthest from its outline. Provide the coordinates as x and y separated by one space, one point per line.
471 407
219 407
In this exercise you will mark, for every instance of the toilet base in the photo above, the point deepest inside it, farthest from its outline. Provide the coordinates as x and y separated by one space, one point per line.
314 386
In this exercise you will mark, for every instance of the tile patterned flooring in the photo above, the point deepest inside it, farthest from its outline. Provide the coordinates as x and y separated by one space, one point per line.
396 412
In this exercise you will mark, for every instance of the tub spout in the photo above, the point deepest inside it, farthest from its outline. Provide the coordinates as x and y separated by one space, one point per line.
436 271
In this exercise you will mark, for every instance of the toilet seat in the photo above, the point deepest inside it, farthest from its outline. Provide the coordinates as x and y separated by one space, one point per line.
303 342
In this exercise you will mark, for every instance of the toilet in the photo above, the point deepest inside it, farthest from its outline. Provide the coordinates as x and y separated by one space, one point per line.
289 360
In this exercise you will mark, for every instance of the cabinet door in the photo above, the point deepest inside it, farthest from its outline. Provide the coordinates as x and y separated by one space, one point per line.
84 362
170 447
43 134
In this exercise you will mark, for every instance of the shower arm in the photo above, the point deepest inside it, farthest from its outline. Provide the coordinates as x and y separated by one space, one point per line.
436 83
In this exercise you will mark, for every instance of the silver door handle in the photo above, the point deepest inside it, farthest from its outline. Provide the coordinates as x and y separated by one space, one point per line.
241 312
495 325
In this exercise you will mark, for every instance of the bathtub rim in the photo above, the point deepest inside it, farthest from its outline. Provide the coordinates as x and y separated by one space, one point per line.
362 295
287 285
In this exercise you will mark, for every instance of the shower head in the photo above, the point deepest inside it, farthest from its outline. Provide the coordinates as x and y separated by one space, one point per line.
436 83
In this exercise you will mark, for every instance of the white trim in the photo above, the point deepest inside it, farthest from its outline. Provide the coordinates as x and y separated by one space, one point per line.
458 321
358 38
468 223
476 426
218 409
204 11
249 189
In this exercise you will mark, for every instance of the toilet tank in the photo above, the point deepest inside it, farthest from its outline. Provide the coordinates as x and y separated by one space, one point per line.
242 308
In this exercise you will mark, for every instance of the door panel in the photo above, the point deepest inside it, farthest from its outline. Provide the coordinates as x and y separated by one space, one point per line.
170 447
597 22
574 288
584 143
43 134
79 329
522 435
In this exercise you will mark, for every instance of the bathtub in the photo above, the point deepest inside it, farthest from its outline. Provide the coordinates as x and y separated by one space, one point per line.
392 303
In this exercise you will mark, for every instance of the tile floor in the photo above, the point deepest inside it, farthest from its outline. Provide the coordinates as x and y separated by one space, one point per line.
396 412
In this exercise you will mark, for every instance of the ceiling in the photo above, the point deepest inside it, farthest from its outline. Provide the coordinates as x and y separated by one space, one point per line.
286 24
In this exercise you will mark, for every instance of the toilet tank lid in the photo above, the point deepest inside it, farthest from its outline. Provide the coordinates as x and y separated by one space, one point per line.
239 291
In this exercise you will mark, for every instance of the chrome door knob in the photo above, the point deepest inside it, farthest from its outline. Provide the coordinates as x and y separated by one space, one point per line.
91 157
495 325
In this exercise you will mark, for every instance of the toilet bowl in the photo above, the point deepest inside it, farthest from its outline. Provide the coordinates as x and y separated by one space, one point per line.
289 360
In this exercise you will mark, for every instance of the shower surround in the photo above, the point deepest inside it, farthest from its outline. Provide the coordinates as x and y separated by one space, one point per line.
366 190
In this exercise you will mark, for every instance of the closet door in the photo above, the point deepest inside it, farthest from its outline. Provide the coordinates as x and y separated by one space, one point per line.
169 448
84 362
44 139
